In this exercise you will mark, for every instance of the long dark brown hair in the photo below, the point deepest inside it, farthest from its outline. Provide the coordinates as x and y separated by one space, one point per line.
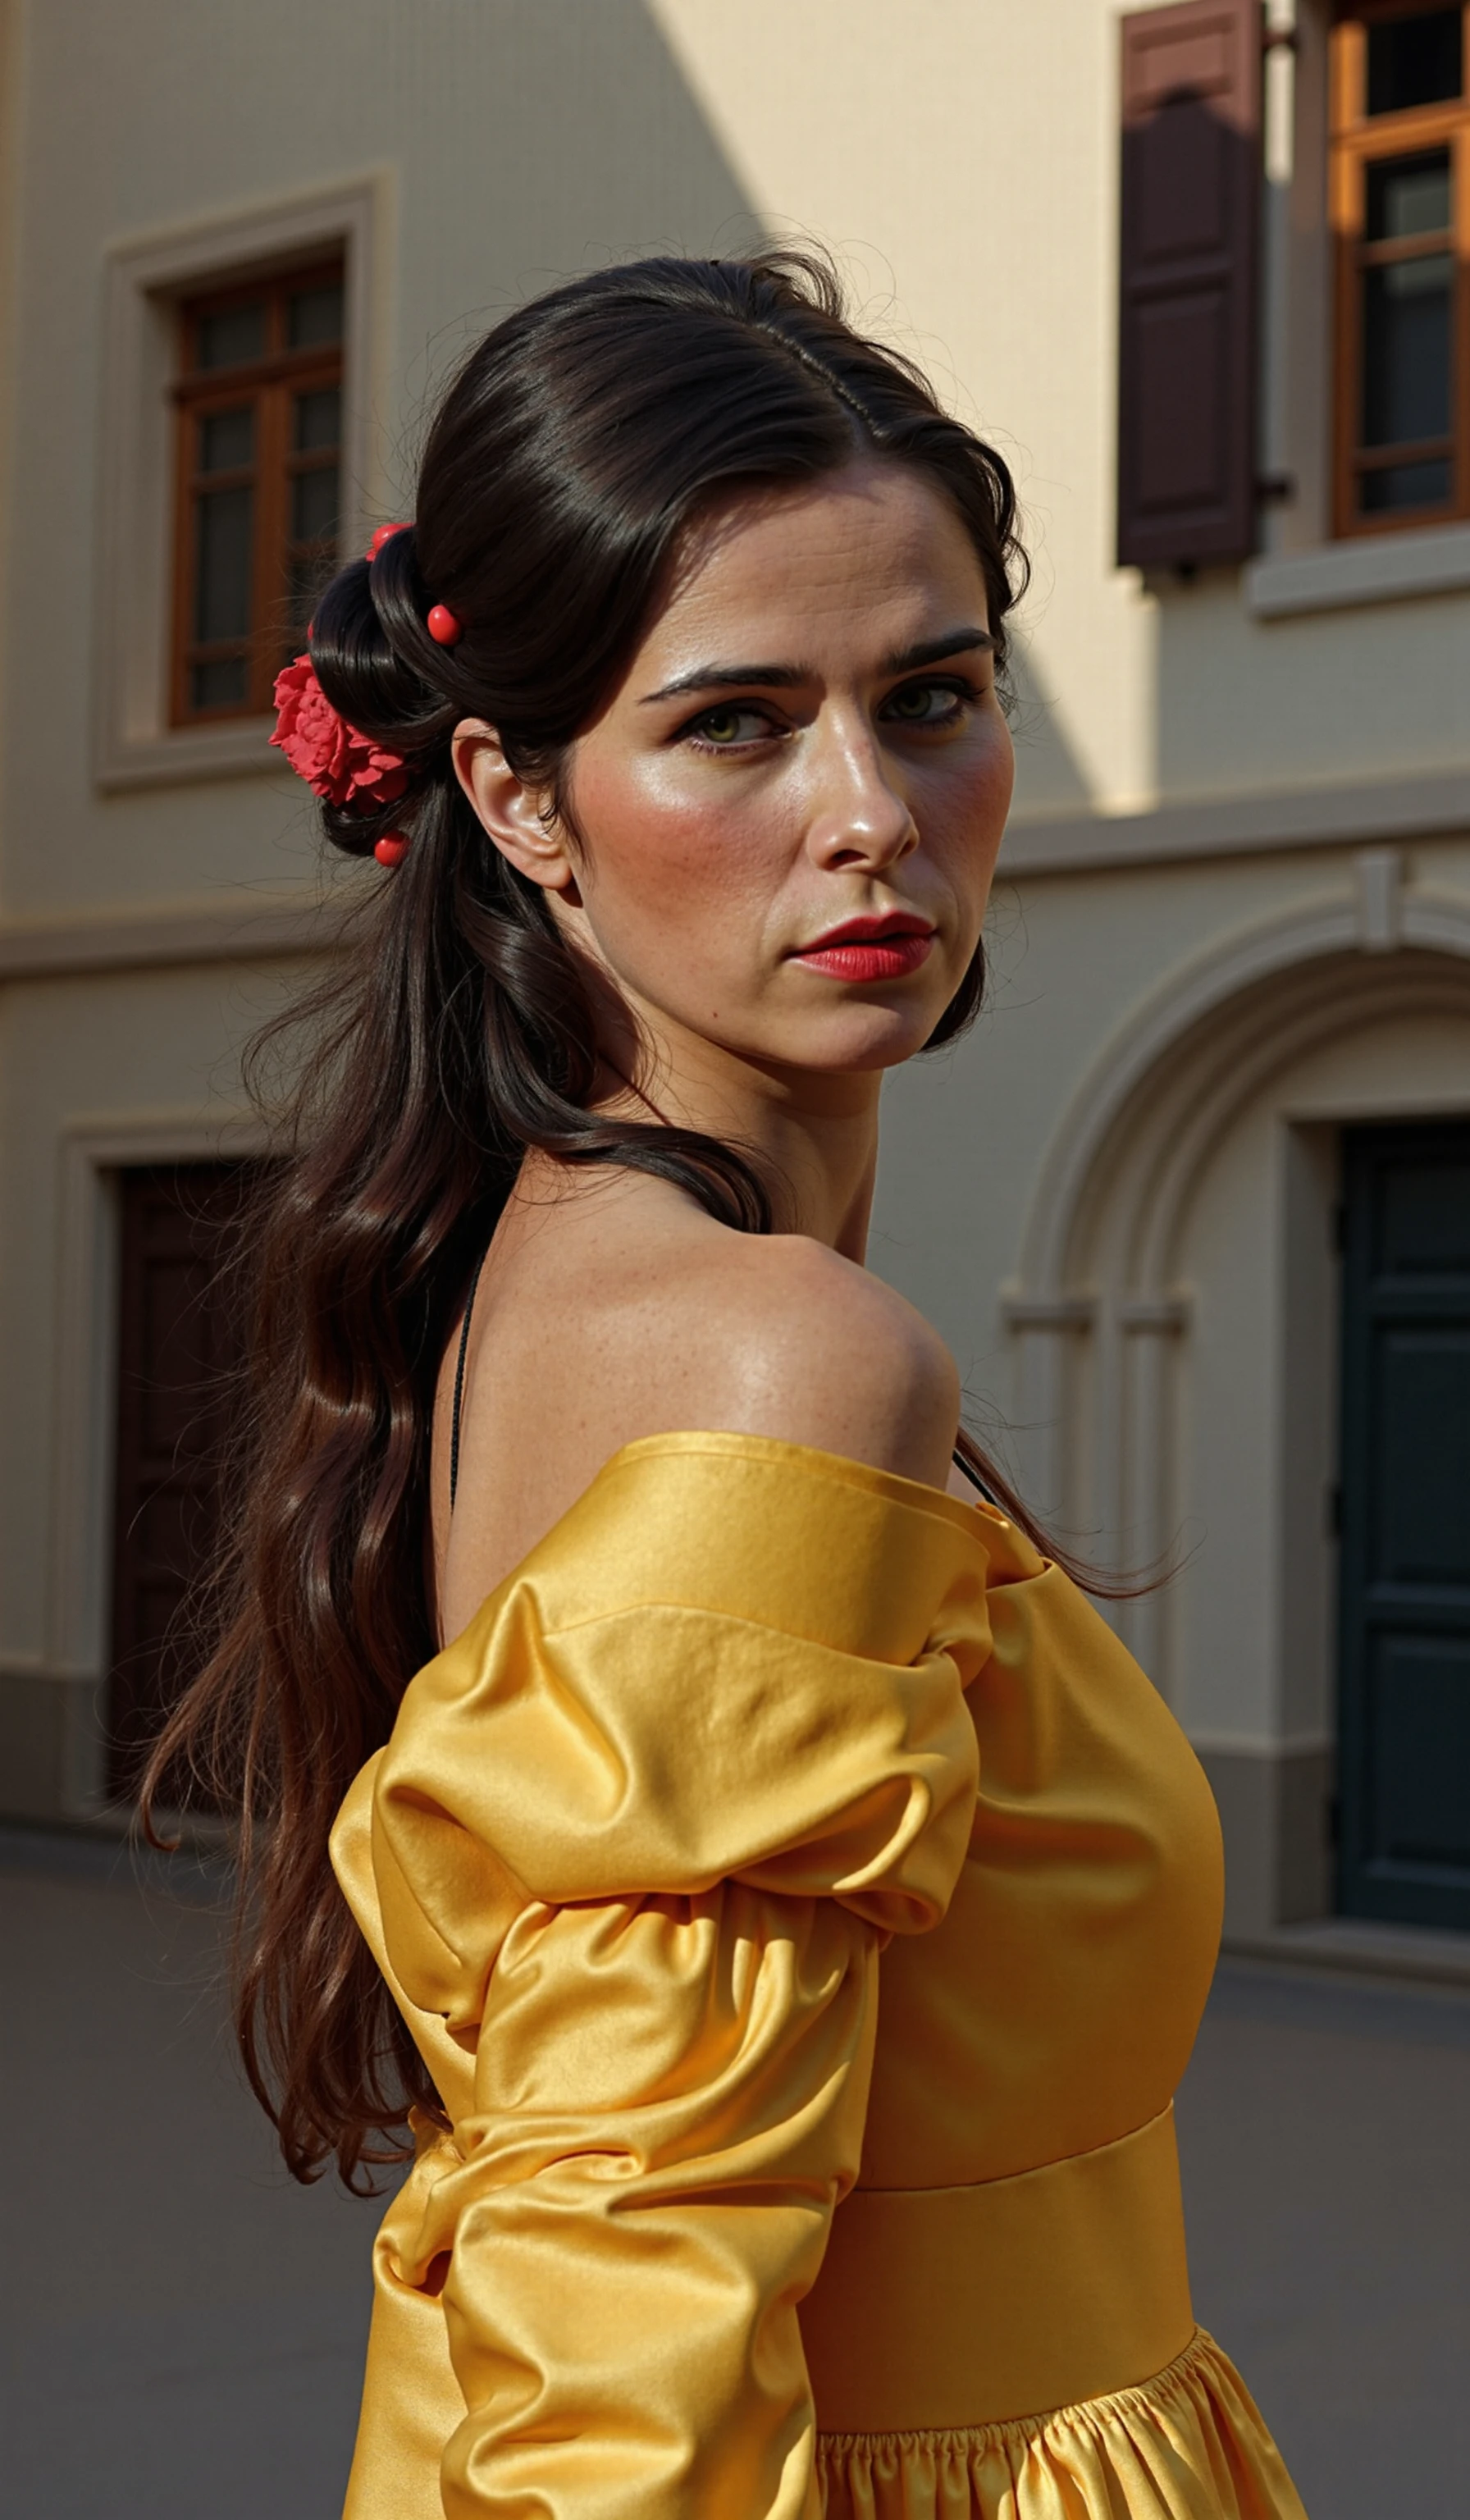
571 454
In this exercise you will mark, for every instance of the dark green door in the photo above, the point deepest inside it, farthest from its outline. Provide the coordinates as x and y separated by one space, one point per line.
1405 1636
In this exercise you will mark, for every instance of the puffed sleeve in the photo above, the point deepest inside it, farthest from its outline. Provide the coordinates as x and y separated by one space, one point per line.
634 1846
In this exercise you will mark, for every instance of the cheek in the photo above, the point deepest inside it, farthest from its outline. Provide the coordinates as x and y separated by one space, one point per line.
664 856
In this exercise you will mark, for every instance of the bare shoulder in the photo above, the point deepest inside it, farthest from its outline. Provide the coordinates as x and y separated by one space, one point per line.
805 1345
632 1314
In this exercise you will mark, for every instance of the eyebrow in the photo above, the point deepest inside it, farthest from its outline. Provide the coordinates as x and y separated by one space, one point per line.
769 677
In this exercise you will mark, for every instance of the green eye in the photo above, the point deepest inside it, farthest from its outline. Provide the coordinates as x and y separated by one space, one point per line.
924 704
724 730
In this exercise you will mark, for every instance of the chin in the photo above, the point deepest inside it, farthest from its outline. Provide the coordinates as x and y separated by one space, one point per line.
861 1041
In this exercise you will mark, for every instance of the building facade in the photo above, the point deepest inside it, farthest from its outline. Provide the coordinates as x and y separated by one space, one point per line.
1193 1203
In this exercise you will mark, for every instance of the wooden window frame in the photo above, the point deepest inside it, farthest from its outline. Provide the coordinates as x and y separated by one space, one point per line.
134 744
267 386
1356 142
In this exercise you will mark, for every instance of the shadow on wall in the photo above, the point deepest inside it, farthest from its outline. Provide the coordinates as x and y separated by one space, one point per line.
571 139
603 155
1049 778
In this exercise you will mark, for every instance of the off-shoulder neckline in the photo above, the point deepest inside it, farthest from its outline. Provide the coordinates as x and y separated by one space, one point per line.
962 1511
962 1515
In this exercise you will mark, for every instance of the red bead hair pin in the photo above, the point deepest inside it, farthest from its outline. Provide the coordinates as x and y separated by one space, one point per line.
392 849
442 626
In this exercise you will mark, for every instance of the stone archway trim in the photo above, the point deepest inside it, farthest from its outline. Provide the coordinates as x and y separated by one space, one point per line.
1371 918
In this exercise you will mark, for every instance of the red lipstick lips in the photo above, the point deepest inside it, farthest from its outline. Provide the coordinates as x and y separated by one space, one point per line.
870 949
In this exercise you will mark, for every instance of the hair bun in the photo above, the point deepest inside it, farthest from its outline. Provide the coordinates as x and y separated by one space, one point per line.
373 654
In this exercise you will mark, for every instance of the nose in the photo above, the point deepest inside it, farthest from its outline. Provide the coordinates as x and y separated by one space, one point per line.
858 817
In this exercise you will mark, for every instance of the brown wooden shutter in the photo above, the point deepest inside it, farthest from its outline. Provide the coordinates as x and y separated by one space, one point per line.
1189 214
178 1341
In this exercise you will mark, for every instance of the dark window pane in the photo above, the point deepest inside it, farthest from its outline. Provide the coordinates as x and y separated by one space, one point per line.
221 684
1409 196
1414 61
313 505
222 563
1405 485
227 440
1407 350
314 315
319 418
229 338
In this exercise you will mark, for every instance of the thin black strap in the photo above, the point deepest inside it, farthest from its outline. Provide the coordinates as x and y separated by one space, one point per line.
459 1380
975 1480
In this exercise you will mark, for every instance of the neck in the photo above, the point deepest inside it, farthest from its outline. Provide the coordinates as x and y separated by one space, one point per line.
814 1135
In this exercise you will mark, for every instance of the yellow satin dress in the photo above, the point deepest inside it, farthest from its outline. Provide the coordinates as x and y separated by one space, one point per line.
805 1907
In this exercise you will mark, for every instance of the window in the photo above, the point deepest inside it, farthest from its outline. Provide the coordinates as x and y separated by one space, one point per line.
1400 207
147 727
259 399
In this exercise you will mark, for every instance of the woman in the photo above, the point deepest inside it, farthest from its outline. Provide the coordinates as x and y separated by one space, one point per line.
781 1904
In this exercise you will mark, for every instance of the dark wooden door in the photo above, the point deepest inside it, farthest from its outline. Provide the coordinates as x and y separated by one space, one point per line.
1404 1634
178 1348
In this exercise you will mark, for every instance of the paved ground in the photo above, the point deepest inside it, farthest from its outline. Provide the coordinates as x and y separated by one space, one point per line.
1324 2127
183 2328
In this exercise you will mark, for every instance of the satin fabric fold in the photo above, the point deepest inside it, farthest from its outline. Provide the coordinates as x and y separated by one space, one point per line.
629 1860
752 1733
1189 2446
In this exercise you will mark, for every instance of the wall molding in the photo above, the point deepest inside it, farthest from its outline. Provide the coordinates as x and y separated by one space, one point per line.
1335 923
1272 1803
1368 568
1273 822
128 939
1105 1234
51 949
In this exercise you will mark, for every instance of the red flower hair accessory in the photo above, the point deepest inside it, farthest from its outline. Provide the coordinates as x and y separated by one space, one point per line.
338 763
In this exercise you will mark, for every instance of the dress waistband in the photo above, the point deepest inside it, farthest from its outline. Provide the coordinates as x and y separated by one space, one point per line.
942 2308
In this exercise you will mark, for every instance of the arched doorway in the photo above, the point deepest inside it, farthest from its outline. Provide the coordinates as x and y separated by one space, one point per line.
1178 1332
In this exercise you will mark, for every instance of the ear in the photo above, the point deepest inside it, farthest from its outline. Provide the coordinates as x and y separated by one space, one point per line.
511 812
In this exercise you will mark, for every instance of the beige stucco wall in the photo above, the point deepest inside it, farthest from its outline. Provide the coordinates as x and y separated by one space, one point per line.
964 160
960 160
1188 769
121 1059
506 142
520 140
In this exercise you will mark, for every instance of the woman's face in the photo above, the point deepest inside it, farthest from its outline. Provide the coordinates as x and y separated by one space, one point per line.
788 813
